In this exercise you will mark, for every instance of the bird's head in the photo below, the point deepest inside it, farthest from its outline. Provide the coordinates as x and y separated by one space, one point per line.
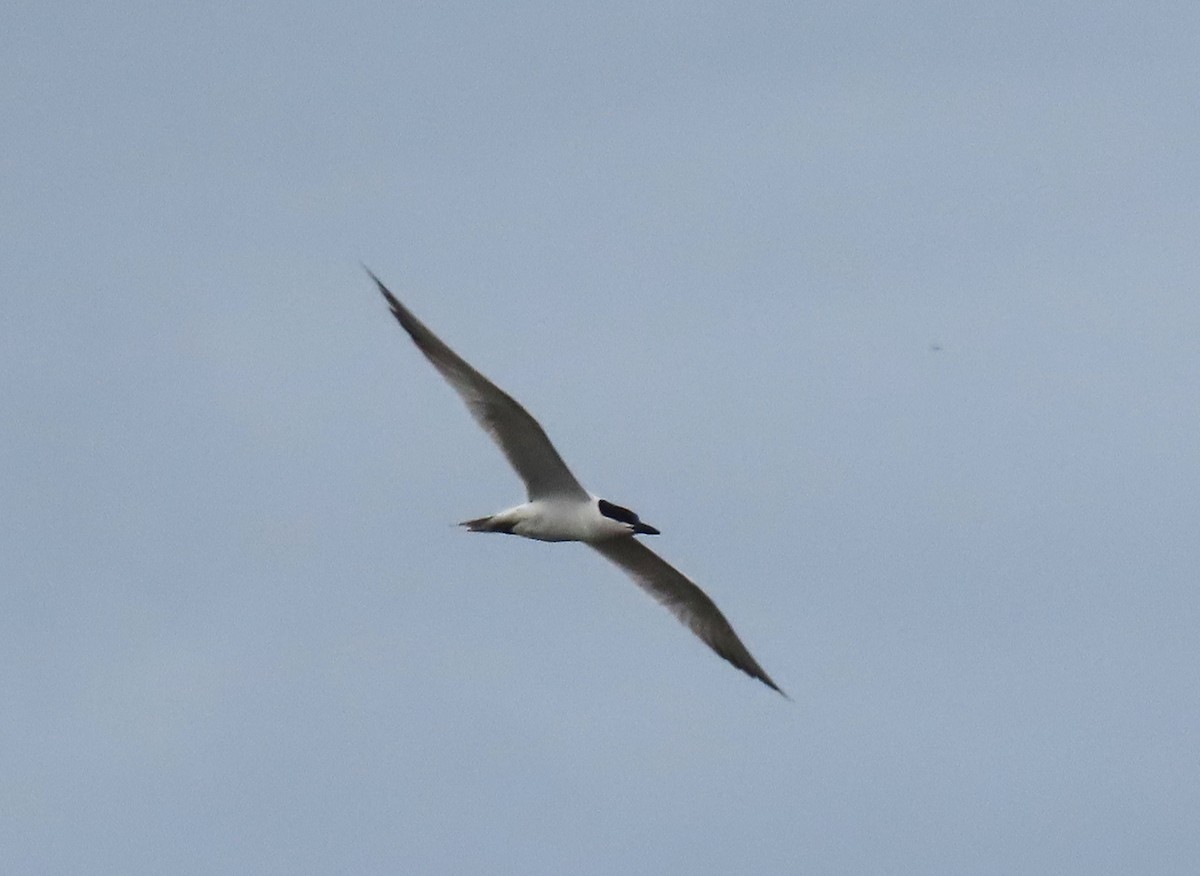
625 517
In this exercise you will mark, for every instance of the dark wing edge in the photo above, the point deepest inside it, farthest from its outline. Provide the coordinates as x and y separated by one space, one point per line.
690 605
519 436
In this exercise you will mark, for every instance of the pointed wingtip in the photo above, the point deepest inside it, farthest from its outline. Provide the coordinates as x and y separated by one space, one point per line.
750 667
391 299
766 679
378 282
741 658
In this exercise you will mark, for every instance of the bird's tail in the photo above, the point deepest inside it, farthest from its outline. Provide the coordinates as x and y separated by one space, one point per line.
486 524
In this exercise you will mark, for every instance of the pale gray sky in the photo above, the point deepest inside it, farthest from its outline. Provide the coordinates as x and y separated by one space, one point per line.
239 631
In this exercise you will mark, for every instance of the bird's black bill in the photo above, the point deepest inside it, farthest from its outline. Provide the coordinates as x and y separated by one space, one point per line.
640 528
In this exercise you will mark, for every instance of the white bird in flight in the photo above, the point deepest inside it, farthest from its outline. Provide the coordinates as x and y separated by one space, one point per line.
560 509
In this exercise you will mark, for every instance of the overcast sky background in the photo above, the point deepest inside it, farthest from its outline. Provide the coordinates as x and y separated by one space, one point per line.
886 314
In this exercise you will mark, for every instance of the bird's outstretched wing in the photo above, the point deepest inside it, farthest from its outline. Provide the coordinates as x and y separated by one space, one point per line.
684 599
514 430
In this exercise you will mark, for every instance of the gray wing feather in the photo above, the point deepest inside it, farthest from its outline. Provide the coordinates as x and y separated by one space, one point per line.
515 431
685 600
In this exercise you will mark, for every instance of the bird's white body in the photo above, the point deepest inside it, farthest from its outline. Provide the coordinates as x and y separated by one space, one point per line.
560 509
554 519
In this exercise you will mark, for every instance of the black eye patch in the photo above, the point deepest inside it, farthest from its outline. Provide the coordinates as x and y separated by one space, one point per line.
616 512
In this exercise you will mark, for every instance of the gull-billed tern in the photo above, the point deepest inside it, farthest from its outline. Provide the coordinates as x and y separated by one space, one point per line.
560 509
